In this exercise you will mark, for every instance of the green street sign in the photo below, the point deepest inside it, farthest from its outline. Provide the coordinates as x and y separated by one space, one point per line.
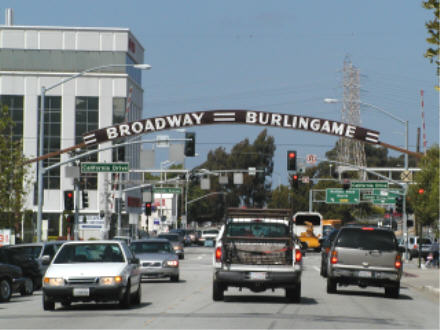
341 196
384 201
92 167
167 190
387 192
369 184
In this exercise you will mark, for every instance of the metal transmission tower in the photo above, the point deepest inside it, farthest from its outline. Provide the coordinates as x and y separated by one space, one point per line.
349 150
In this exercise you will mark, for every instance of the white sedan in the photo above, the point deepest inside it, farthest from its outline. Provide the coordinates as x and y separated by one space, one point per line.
92 271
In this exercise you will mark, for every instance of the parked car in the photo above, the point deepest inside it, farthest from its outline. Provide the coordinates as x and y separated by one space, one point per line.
157 258
176 242
209 236
11 280
365 256
92 271
414 243
29 266
325 249
43 252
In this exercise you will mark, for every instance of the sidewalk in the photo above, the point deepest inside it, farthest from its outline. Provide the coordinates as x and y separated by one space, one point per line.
423 279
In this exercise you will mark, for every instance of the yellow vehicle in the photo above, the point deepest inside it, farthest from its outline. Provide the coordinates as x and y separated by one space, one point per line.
329 224
308 228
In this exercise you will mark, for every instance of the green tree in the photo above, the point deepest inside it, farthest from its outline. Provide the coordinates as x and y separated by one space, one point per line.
426 202
13 182
432 26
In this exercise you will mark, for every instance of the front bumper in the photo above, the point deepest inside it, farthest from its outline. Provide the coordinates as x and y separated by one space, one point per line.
96 293
147 272
266 280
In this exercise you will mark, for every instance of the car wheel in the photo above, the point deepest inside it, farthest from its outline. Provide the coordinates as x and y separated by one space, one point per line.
331 285
294 294
5 290
182 256
125 301
28 287
48 305
138 296
174 278
392 292
217 291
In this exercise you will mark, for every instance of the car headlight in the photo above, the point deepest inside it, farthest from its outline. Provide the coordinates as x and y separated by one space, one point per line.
110 280
53 281
172 263
176 247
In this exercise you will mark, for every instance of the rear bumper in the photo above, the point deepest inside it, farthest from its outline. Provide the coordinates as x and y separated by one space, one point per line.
271 279
365 277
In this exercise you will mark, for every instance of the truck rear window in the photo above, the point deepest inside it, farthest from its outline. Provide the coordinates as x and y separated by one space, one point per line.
357 238
257 229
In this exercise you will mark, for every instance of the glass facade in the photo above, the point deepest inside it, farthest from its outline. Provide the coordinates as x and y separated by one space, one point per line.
15 108
52 138
86 120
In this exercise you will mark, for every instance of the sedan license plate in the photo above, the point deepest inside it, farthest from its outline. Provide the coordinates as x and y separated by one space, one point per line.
257 275
81 292
364 273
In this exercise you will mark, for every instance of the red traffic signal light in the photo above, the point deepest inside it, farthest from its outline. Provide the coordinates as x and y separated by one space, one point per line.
291 160
147 208
68 200
421 191
295 181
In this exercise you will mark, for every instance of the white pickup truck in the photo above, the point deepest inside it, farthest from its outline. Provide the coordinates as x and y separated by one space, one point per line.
256 249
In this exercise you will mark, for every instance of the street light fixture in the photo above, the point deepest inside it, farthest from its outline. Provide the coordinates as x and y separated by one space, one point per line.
41 133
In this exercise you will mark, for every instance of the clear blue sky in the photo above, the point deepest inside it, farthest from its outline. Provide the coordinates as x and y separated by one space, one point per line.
278 56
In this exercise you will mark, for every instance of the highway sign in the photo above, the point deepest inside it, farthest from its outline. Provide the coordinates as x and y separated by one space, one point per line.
369 184
341 196
92 167
167 190
385 200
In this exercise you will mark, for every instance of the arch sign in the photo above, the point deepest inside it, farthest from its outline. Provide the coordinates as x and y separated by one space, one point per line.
246 117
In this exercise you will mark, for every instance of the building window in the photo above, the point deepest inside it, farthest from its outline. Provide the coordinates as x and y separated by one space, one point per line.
15 108
118 117
52 138
86 120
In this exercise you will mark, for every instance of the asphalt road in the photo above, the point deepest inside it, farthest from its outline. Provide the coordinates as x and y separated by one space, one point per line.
188 304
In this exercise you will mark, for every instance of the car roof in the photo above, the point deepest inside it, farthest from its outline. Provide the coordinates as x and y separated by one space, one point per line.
109 241
150 240
39 244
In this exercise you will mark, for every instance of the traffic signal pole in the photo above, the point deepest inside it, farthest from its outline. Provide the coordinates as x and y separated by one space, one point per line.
76 222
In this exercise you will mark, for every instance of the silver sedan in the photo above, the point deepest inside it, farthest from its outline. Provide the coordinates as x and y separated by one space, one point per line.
157 258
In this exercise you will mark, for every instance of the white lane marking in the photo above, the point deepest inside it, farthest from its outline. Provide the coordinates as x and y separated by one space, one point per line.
316 268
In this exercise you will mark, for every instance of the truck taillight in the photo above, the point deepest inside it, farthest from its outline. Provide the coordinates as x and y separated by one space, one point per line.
218 254
298 256
398 262
334 257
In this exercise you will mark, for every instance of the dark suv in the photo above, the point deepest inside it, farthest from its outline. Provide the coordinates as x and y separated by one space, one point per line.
365 256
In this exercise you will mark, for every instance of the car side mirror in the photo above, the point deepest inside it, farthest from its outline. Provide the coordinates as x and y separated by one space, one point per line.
45 260
135 261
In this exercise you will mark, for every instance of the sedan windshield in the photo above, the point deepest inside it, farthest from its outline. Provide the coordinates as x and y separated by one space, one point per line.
151 247
80 253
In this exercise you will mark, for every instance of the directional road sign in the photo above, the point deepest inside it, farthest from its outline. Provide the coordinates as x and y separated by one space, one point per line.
341 196
92 167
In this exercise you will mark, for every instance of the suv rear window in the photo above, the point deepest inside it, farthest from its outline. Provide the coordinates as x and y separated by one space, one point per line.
358 238
257 229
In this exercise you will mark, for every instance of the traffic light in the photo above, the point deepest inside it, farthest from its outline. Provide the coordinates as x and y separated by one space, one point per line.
421 191
291 160
346 184
85 199
148 208
399 204
68 200
295 180
190 145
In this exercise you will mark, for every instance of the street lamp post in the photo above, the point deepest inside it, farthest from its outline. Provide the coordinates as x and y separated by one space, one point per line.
405 123
41 132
